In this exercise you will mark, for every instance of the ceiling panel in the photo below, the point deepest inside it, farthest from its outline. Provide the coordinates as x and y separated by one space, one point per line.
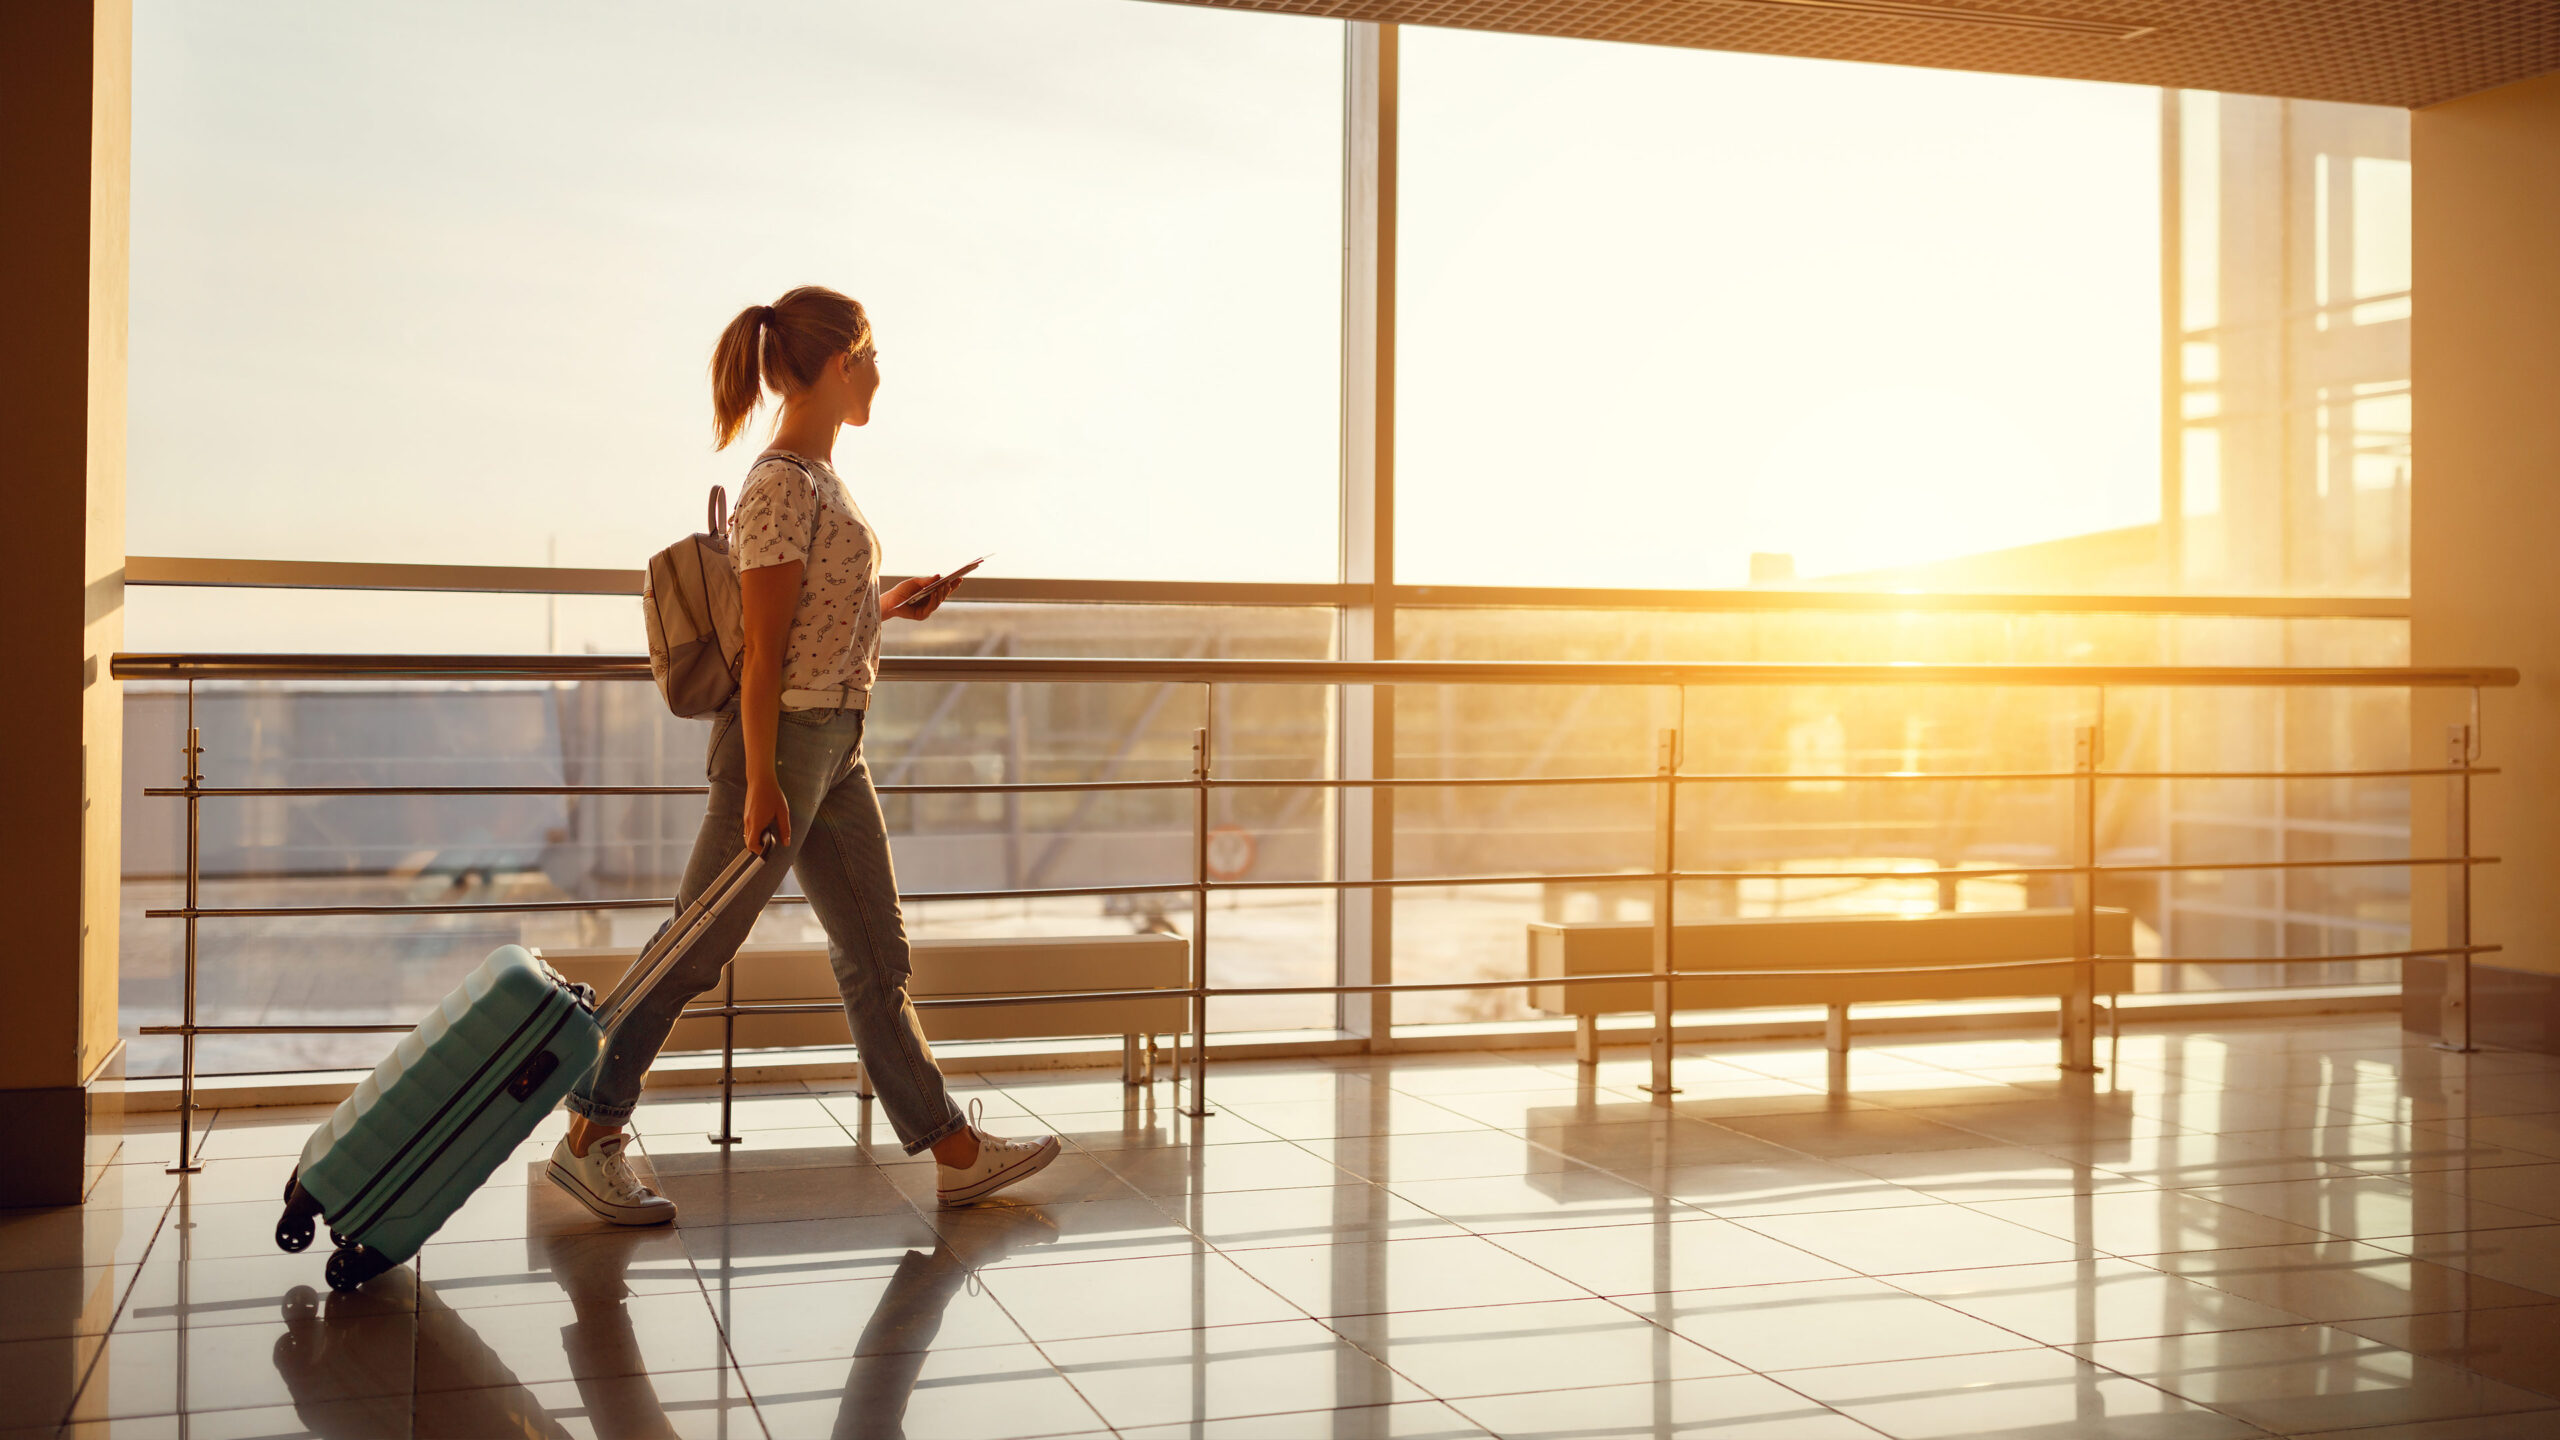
2376 52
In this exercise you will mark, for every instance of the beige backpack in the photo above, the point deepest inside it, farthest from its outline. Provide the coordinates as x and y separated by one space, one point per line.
696 617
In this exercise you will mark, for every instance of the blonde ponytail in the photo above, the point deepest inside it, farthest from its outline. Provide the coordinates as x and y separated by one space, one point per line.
785 344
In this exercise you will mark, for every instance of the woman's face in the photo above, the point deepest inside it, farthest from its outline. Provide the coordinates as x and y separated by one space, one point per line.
859 374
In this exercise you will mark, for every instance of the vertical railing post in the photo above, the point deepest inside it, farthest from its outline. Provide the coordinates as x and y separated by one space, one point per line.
187 1037
2454 1027
1666 849
2080 1006
1199 1106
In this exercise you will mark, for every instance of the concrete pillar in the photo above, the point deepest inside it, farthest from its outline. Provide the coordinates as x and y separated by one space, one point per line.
66 70
2484 526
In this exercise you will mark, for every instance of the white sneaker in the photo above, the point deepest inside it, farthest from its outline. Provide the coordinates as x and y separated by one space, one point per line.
1000 1163
602 1181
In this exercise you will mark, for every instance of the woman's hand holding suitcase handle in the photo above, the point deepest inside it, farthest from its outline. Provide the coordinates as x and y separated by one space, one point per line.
768 814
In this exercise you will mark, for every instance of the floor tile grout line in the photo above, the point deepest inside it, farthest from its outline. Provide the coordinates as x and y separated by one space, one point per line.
728 1349
720 1326
115 1318
1041 1348
2296 1320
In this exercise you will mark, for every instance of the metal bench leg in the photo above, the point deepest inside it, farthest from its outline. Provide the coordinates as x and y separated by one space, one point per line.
862 1080
1132 1069
1835 1028
1586 1039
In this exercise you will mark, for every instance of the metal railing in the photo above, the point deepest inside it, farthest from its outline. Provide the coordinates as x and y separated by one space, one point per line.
2078 1028
237 574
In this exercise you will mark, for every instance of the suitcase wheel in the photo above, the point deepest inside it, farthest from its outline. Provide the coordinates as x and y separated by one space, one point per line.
354 1265
295 1227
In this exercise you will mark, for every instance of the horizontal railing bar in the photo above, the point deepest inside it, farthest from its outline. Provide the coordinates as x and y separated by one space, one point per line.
537 907
2299 959
1438 597
1962 873
562 580
2213 865
230 574
235 792
1645 977
985 589
1745 777
1038 787
213 792
275 1029
1081 669
2296 774
1528 982
1410 782
1599 877
1622 672
1540 982
1054 892
1034 787
1423 882
498 907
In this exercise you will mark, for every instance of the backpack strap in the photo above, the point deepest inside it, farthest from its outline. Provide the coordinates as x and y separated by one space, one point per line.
796 463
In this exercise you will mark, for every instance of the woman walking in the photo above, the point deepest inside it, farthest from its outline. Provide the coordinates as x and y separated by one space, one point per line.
788 756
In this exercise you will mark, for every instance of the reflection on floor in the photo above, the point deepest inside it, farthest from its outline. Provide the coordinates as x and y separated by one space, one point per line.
2297 1229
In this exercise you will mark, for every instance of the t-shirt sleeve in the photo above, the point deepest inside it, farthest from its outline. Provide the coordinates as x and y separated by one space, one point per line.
775 514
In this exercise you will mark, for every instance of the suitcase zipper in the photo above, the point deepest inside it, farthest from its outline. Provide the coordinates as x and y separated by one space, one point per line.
358 1199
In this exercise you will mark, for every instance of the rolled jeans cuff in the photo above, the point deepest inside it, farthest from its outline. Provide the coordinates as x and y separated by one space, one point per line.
597 1112
942 1132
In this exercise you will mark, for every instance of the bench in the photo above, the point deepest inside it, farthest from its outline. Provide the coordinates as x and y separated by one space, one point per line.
799 974
1818 942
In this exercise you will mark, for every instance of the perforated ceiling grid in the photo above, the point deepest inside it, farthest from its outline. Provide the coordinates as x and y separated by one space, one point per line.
2375 52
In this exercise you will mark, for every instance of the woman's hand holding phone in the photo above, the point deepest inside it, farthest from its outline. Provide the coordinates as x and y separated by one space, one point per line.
919 597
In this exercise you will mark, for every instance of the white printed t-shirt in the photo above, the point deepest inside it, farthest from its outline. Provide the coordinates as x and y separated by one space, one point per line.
788 513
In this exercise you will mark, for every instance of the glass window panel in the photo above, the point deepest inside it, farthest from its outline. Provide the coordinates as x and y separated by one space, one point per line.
2199 208
2381 234
2296 213
1662 309
438 282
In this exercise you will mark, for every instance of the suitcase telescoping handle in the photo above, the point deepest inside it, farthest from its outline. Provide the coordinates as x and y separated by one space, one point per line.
671 943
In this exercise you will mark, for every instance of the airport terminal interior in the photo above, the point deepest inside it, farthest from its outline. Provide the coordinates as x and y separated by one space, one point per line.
1761 718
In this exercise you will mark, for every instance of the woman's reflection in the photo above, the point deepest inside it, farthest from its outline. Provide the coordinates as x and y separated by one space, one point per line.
894 1347
353 1376
346 1369
602 1348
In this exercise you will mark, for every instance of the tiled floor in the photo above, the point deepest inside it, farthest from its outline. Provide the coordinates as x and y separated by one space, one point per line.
2314 1228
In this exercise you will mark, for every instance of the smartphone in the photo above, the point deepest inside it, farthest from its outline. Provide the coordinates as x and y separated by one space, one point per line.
938 588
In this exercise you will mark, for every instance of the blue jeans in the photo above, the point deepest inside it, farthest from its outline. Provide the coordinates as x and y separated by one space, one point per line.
840 849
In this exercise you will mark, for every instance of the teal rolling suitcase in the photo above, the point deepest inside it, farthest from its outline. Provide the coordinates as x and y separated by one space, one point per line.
458 1094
